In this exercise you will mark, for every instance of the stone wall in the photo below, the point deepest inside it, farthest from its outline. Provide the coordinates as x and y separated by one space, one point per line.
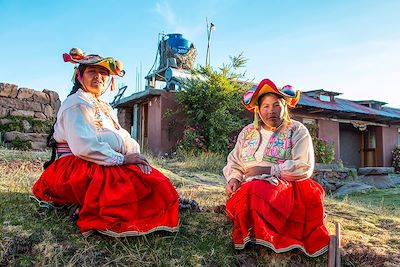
27 103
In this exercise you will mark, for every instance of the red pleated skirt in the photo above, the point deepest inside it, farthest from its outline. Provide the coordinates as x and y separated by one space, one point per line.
283 217
113 200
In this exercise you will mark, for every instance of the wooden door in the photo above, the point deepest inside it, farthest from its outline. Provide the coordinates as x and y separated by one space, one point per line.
368 147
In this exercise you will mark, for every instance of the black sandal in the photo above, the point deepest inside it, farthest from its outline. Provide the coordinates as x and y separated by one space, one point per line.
74 213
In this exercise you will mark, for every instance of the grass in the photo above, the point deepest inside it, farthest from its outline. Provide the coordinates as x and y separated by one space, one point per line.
33 236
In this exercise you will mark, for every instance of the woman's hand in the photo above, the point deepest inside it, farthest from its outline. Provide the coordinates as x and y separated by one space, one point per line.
139 160
256 170
232 186
144 168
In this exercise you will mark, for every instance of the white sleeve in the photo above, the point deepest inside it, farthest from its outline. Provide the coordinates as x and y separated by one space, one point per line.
301 165
131 145
80 134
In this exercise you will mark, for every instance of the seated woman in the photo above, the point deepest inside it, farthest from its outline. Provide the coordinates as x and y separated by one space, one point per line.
272 200
99 166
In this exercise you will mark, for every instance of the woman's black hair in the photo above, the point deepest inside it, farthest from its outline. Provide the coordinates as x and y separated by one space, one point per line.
51 142
260 98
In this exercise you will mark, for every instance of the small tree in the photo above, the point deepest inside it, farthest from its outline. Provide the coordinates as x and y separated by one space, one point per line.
213 107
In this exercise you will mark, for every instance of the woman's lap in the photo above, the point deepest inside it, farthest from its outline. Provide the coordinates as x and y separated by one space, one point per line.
115 198
281 217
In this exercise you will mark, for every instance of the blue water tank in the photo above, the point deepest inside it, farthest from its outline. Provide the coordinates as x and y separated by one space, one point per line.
178 43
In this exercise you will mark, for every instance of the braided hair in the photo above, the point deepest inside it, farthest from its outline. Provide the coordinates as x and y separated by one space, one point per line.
51 142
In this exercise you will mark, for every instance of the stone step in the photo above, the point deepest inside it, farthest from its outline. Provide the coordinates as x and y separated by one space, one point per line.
375 170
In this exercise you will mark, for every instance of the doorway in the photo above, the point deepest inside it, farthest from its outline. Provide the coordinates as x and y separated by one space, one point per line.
350 145
143 126
368 145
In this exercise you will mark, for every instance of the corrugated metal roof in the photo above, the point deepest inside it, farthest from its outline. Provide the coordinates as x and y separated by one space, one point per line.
344 105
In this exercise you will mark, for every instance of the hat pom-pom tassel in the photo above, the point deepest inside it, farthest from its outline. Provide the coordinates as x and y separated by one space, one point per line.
75 74
256 117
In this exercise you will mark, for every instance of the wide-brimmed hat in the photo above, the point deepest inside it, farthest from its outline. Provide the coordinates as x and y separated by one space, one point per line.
77 56
250 98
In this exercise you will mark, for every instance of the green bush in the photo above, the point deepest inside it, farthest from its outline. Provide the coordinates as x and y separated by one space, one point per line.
396 159
213 107
324 151
20 144
193 140
16 124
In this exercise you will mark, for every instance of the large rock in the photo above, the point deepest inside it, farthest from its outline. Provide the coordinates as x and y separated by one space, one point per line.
34 106
34 137
39 145
5 121
40 115
57 107
375 170
352 188
48 111
22 113
41 97
18 104
11 103
27 126
378 181
396 179
4 112
53 97
8 90
25 93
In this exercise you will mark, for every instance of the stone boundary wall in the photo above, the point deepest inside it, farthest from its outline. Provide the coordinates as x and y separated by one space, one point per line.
28 103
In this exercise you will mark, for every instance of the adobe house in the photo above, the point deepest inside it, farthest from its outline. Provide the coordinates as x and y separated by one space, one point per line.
364 132
152 116
146 116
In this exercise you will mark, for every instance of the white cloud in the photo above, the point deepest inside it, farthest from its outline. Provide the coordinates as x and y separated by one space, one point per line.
165 11
183 23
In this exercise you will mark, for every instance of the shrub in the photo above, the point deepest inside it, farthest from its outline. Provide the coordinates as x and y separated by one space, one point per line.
396 159
20 144
193 140
324 151
213 104
16 124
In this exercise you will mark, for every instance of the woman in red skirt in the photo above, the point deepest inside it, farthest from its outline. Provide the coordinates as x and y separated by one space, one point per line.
272 200
97 166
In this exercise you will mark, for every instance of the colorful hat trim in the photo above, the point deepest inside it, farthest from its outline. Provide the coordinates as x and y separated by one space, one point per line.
250 98
77 56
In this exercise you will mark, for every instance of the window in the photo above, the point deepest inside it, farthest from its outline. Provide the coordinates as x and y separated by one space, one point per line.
311 125
369 138
325 98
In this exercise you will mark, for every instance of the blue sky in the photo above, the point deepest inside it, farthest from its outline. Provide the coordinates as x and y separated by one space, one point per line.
351 47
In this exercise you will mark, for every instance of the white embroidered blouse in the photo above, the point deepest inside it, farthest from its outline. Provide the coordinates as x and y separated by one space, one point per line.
300 166
92 131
